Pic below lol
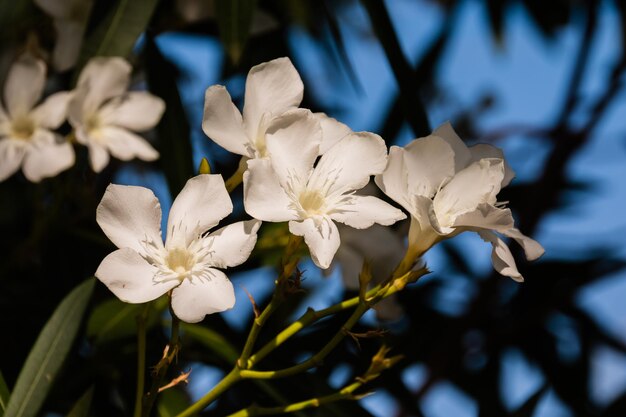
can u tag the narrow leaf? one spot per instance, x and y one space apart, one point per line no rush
81 408
4 394
234 18
212 340
171 403
114 319
118 31
46 357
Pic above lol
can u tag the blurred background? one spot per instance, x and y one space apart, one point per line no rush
541 80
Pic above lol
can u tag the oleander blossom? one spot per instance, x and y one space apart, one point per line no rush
104 115
27 139
144 268
289 186
449 188
272 88
70 20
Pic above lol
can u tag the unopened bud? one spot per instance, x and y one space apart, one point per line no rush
204 168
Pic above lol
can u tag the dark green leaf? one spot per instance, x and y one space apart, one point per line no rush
117 32
4 394
212 340
234 18
81 408
47 355
171 402
114 319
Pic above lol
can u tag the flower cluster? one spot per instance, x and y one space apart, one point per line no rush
100 109
303 168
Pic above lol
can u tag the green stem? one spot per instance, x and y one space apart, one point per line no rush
229 380
236 179
308 318
141 358
315 359
345 394
288 265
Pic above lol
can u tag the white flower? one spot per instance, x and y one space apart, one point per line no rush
272 88
144 268
26 137
449 188
70 20
287 186
103 113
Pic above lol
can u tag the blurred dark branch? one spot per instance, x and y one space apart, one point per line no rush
582 60
342 52
412 105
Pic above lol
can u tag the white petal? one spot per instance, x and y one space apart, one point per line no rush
292 142
201 204
422 235
136 110
501 256
363 211
24 85
44 160
272 87
394 179
332 131
125 145
11 156
191 301
429 163
263 196
462 155
53 111
131 278
98 156
478 183
349 164
56 8
486 216
231 245
222 122
130 216
532 248
103 78
321 236
483 150
69 40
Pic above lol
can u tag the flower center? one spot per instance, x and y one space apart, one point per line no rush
93 123
180 261
311 201
23 128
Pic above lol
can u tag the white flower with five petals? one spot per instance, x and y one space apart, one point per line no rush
449 188
104 115
144 268
26 136
289 186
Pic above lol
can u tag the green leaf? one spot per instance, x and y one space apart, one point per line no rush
234 18
81 408
118 31
4 394
212 340
114 319
171 402
15 15
46 357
